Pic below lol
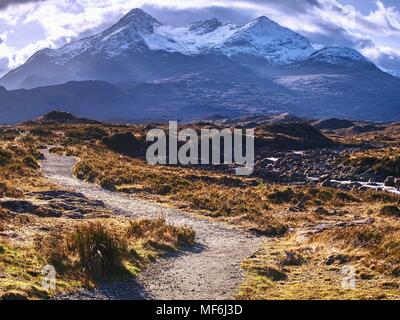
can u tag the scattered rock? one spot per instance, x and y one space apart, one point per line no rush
60 194
19 206
340 258
55 204
75 216
390 181
321 211
293 259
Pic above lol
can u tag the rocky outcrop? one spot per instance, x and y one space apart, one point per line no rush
290 136
55 204
125 143
60 117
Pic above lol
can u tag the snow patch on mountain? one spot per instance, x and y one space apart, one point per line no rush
261 37
391 72
127 33
187 40
337 55
138 30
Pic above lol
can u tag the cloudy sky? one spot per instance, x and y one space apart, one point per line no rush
370 26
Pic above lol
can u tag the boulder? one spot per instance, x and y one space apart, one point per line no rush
328 184
19 206
390 181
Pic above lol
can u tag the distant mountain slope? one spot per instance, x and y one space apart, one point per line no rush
141 69
91 99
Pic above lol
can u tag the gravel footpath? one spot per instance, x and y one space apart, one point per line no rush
209 270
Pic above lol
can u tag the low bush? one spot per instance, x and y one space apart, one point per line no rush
86 134
390 210
5 157
30 162
84 172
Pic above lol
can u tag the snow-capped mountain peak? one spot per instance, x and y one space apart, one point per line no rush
138 30
138 47
137 20
264 37
128 32
337 55
263 24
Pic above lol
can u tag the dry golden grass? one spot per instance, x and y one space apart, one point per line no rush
375 247
242 201
290 266
385 162
157 234
100 250
19 167
82 251
312 265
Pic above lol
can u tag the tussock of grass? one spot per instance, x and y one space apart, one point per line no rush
100 251
312 196
97 251
157 232
85 172
86 133
91 248
390 210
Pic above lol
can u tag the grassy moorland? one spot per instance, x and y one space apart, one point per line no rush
312 232
36 231
274 210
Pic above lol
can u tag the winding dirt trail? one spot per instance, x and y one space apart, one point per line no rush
210 271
